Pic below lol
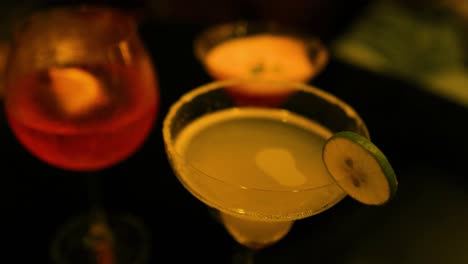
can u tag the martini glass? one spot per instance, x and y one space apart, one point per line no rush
82 95
260 49
257 163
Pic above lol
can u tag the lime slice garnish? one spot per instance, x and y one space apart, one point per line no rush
359 168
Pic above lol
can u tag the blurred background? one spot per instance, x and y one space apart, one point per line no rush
424 42
403 64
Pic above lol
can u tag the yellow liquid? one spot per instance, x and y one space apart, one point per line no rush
261 168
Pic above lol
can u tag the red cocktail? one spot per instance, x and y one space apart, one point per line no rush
82 95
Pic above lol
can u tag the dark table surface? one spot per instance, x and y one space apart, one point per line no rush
424 137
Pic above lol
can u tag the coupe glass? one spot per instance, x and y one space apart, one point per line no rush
258 165
260 49
82 95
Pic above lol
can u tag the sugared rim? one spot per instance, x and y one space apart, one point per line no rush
189 96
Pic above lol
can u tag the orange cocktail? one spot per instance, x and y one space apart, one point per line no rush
260 50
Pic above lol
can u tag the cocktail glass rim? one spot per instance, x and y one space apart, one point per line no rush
220 84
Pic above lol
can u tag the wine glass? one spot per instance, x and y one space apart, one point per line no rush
258 165
82 95
260 49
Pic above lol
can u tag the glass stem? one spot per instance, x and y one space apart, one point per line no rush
244 255
99 238
94 196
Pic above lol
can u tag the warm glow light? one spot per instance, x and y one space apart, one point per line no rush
125 51
76 90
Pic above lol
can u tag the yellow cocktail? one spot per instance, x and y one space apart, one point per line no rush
259 166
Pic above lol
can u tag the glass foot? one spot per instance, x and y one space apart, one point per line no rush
110 240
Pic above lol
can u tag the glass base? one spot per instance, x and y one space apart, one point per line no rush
109 240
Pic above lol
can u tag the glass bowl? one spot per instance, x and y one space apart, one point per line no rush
260 49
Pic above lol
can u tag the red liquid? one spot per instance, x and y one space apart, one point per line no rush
243 98
96 139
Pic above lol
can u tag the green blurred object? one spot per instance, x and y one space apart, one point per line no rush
419 42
